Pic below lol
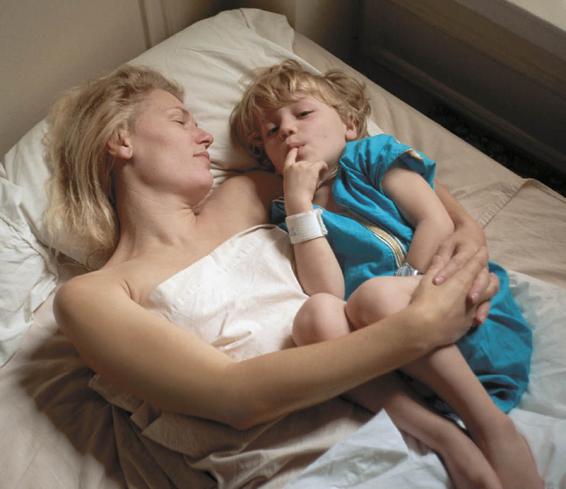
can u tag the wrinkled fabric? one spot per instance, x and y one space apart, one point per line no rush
241 299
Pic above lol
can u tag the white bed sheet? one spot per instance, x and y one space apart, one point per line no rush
378 456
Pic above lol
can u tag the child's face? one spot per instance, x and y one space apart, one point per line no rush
308 124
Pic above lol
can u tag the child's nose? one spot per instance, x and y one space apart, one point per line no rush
287 129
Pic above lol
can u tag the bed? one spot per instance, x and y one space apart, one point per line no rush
59 429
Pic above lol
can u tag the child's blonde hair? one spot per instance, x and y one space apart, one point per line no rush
280 85
80 125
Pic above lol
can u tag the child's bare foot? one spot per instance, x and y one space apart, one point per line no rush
509 455
465 463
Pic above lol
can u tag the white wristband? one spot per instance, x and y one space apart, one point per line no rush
305 226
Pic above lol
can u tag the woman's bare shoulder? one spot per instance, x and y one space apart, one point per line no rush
85 293
92 281
246 198
261 183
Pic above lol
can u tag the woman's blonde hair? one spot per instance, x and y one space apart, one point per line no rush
282 84
80 125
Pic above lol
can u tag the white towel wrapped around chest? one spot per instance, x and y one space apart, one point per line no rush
242 299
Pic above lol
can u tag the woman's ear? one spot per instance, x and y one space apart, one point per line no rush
120 145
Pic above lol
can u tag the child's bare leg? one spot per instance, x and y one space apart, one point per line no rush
447 373
323 318
464 462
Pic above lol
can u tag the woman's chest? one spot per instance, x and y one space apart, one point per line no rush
241 298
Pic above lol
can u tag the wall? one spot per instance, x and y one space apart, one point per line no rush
483 68
330 23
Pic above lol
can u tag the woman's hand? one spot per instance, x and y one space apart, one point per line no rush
446 307
457 250
300 181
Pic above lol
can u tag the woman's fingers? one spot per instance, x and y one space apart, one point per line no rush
483 301
468 272
456 253
481 313
437 264
492 288
447 308
454 259
484 287
479 286
446 250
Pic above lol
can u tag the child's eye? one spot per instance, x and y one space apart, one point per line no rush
271 131
305 113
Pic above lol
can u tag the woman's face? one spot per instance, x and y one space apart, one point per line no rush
169 150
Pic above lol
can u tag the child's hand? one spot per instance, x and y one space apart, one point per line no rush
300 181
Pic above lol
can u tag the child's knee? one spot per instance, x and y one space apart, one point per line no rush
320 318
378 298
366 304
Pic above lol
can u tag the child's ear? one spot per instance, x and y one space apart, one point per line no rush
351 131
120 145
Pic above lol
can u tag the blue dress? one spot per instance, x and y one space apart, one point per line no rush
370 238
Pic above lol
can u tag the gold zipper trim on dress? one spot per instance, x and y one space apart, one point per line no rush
388 239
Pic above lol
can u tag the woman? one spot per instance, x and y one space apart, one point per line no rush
132 177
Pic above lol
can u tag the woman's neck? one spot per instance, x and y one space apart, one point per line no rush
154 225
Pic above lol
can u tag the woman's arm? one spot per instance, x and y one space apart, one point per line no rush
460 216
158 361
467 238
423 209
317 267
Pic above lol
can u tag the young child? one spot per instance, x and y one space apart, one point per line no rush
365 221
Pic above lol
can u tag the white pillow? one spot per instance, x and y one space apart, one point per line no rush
27 275
210 59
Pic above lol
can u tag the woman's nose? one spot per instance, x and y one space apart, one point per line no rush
206 138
